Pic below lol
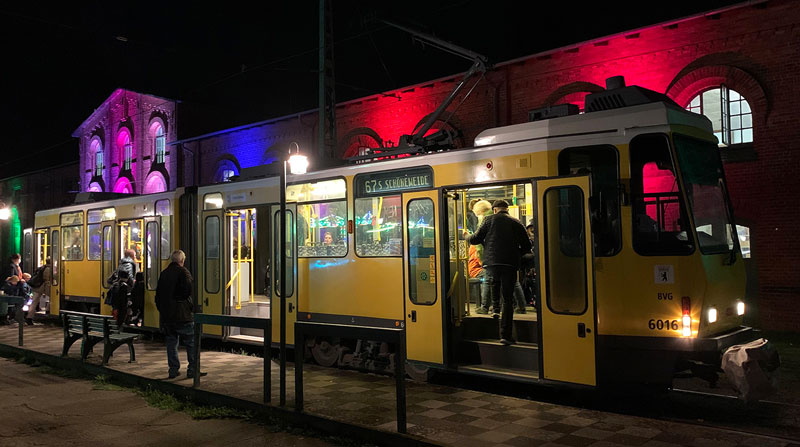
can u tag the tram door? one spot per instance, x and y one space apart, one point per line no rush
567 280
210 288
41 251
151 266
55 249
423 304
289 257
107 260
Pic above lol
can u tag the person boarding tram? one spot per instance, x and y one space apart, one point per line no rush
505 240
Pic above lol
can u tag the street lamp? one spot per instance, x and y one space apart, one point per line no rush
5 211
298 164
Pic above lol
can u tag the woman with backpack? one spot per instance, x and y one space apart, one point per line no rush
40 282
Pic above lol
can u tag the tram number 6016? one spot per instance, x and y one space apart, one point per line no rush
663 325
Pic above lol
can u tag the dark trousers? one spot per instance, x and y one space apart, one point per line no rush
503 280
174 333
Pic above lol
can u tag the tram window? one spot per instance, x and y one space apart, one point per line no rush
56 257
107 255
212 201
602 163
421 239
212 258
73 243
94 243
163 209
322 229
701 167
744 240
151 259
660 224
379 226
565 251
283 257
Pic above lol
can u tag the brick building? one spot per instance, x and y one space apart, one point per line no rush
737 65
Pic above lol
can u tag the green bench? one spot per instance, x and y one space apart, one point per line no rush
92 329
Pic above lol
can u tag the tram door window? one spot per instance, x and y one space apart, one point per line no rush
660 225
565 250
421 240
152 270
107 267
42 249
212 255
56 258
131 238
602 163
27 252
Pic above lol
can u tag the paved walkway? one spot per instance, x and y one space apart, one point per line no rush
438 414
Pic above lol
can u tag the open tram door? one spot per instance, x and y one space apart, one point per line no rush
567 280
289 256
423 304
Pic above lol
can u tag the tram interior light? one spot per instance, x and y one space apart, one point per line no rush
712 314
740 308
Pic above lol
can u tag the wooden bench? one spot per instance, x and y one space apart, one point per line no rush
92 329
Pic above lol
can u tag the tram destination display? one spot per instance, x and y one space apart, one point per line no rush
379 183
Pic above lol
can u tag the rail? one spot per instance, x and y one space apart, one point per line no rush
18 302
388 335
245 322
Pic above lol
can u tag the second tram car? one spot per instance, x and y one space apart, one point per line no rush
639 273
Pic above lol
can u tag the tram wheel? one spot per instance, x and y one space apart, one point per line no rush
325 353
419 373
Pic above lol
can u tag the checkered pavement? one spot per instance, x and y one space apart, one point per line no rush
444 415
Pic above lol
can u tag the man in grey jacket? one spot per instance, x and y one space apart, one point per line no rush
504 240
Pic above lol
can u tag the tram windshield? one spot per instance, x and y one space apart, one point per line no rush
705 191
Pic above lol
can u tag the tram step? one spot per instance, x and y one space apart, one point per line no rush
492 353
486 327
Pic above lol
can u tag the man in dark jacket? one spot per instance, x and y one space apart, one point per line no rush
174 303
504 240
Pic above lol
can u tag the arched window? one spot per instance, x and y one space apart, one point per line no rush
124 142
155 183
225 170
729 113
94 187
123 186
159 141
96 150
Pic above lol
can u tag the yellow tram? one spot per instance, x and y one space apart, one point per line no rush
638 265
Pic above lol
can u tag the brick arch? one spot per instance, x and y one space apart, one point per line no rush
353 140
225 161
690 84
453 124
569 89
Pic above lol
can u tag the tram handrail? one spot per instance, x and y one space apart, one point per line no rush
236 321
388 335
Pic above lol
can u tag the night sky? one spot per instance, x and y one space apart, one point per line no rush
259 60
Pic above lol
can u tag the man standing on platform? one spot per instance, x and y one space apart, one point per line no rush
174 303
504 240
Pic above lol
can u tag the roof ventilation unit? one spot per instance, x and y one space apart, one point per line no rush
617 95
545 113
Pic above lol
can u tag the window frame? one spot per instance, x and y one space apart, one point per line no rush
160 144
321 202
407 249
561 249
355 225
726 117
205 253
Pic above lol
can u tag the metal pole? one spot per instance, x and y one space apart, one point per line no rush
282 287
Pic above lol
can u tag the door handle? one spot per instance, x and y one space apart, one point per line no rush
582 330
205 301
291 307
413 316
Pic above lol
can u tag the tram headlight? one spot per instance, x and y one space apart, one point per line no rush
740 308
712 314
687 326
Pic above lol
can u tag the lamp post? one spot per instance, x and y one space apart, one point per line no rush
298 164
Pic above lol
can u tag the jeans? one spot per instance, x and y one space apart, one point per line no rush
519 296
503 281
35 304
173 334
486 292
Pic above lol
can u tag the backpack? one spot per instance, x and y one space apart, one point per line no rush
37 279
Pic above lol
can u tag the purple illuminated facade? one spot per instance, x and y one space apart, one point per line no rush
123 145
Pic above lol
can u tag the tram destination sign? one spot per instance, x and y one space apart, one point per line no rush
379 183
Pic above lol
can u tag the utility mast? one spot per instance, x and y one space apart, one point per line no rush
326 141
